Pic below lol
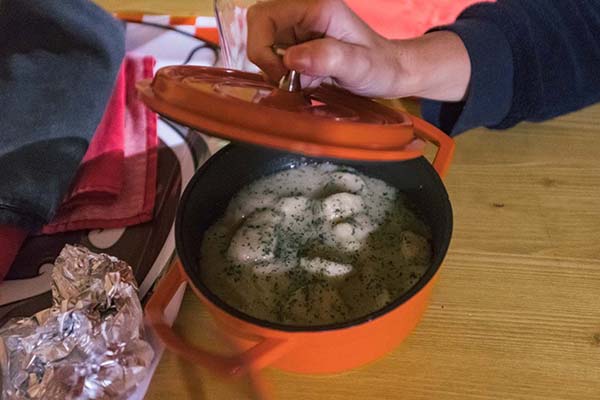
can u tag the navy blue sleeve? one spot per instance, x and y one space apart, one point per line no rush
58 64
530 60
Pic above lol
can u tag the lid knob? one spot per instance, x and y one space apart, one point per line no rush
289 95
290 82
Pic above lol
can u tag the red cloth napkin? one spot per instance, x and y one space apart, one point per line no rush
116 182
11 239
407 18
100 175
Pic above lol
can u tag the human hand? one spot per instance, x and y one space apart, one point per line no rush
329 41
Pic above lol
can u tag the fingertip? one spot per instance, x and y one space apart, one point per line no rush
320 57
271 77
298 58
275 72
270 64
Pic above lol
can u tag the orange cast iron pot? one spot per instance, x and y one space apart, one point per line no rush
320 349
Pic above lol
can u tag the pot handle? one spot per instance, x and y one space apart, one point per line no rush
256 358
445 144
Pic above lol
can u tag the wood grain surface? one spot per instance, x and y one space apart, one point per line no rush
516 311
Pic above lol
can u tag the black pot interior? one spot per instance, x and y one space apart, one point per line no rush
220 178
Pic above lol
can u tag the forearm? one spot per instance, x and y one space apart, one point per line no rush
530 60
437 67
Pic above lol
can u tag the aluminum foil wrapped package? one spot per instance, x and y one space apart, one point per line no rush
88 345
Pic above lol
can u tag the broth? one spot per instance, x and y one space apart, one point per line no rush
314 245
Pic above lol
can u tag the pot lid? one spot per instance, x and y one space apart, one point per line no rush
242 106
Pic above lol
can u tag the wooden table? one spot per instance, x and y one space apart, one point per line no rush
516 311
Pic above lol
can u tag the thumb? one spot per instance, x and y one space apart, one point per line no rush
328 57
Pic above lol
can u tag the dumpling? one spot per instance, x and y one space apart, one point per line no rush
264 217
255 240
297 212
383 298
245 205
330 269
415 248
351 234
293 206
341 205
346 182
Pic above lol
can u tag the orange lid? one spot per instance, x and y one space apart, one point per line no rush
241 106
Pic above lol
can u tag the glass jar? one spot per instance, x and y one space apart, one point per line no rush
233 33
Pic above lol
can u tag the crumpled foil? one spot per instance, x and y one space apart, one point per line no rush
88 345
